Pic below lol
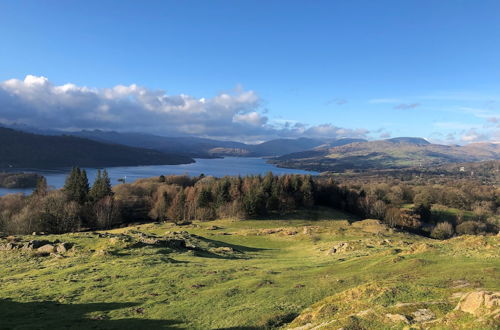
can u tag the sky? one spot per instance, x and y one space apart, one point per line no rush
254 70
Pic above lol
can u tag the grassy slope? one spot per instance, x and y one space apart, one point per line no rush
273 277
386 154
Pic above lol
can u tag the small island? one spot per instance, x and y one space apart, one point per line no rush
19 180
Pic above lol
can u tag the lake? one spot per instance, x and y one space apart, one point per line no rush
218 167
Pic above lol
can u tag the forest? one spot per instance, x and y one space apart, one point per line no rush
436 206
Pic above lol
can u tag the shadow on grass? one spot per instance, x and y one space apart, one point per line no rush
317 213
236 247
53 315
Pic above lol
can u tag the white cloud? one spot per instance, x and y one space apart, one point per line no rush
35 101
252 118
473 135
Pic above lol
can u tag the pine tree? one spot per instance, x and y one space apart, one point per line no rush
41 188
76 186
204 198
307 192
101 187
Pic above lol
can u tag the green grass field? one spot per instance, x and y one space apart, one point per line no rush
250 274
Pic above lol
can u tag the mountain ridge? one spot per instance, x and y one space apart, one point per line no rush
389 153
27 150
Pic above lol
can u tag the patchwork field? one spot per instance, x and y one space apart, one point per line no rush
316 270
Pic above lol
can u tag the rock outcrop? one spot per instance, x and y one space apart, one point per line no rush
480 303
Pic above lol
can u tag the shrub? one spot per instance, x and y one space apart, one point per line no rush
443 230
471 228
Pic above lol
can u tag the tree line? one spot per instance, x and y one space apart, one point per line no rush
437 210
75 206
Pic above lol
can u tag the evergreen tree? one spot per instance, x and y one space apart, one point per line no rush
204 198
76 186
424 211
307 192
222 193
41 188
101 187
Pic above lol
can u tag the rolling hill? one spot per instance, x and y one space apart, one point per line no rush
197 147
320 270
26 150
390 153
202 147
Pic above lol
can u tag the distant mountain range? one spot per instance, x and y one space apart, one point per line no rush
390 153
27 150
109 148
190 146
203 147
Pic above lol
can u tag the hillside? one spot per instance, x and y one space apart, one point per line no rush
196 146
202 147
25 150
315 269
386 154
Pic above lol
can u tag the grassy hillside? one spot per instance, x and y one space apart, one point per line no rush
25 150
307 269
387 154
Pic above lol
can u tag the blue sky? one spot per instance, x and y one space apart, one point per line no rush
327 68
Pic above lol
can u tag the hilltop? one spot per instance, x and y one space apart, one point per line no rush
320 269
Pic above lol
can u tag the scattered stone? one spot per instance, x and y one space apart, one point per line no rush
340 247
47 248
139 310
480 303
298 286
223 249
62 247
397 259
8 247
397 318
114 240
35 244
12 238
264 283
271 231
423 315
197 286
213 228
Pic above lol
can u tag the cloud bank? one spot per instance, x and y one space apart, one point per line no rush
37 102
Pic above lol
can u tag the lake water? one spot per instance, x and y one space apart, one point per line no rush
215 167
